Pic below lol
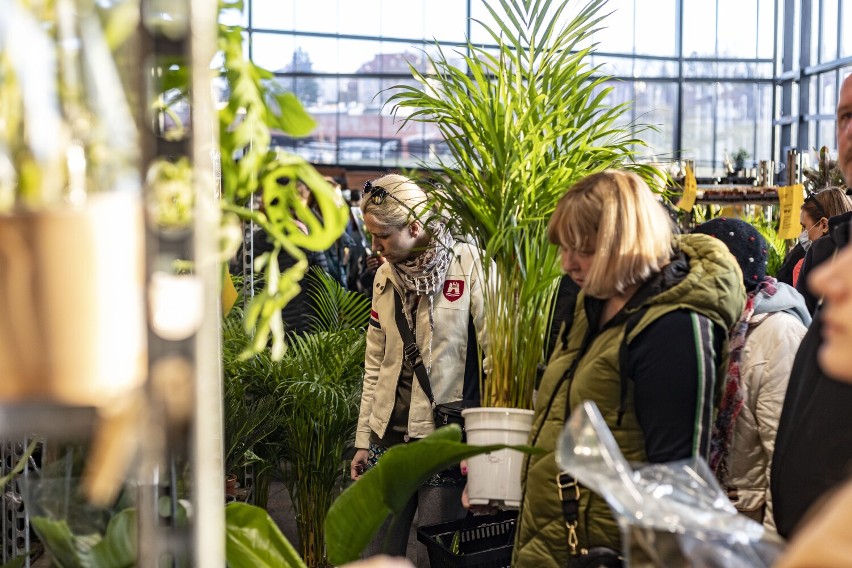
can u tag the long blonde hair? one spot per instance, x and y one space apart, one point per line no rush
614 215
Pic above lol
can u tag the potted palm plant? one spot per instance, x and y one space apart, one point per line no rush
522 122
318 388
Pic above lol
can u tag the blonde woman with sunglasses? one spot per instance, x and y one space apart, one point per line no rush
435 282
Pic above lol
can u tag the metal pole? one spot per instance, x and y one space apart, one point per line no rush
208 526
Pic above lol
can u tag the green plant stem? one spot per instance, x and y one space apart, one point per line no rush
22 463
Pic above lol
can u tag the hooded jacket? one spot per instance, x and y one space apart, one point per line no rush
777 327
703 286
443 346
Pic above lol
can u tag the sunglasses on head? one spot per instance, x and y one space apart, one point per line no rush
377 194
811 198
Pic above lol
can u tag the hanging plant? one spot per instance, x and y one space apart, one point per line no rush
254 107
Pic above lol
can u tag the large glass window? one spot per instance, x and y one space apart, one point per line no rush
808 123
341 57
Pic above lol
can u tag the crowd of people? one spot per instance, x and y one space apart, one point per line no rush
686 345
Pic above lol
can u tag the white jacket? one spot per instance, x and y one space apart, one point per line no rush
765 365
444 350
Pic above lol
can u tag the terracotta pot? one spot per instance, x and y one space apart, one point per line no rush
72 329
231 484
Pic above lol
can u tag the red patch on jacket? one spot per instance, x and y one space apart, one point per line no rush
453 289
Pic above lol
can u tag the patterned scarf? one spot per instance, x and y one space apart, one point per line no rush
732 398
424 274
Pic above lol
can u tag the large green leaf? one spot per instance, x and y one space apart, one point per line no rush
293 118
358 513
116 549
253 540
58 539
16 563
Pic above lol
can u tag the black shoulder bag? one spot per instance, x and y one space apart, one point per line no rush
446 413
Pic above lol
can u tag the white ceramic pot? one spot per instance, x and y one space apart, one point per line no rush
495 478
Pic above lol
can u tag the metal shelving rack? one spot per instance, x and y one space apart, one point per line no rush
197 441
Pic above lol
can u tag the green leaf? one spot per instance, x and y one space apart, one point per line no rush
337 308
118 547
253 540
58 539
360 510
293 118
16 563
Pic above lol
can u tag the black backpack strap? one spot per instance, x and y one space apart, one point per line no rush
410 350
623 360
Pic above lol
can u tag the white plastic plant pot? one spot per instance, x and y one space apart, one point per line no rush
495 478
72 329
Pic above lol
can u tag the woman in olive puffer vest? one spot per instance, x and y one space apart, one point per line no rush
660 305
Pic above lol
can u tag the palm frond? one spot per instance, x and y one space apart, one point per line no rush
522 124
336 307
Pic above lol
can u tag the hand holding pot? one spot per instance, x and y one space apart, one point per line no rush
475 509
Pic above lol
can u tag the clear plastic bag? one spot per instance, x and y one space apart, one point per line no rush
671 515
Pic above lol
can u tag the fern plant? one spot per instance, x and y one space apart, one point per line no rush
522 123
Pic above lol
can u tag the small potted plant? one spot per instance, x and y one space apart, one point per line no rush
740 157
71 225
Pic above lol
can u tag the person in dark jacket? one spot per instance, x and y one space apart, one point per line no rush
785 273
813 449
821 250
825 539
299 312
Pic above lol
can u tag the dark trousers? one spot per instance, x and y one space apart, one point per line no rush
430 505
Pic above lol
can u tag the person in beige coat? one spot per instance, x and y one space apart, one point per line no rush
763 345
437 282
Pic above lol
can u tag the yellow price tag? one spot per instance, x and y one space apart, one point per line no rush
690 191
229 294
791 198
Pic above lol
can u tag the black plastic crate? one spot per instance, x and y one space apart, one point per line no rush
484 542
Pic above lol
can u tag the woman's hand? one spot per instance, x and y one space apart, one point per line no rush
373 262
359 464
475 509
